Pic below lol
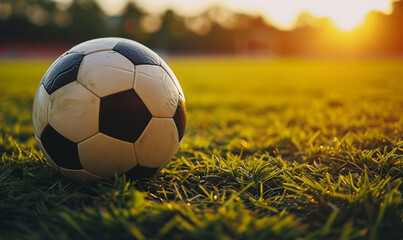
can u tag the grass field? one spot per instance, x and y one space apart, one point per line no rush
274 149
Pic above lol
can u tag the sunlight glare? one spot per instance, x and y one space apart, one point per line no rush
346 15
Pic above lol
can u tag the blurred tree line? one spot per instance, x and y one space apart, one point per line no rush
217 30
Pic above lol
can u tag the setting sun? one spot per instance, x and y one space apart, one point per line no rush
346 15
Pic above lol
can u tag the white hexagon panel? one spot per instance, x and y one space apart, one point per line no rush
95 45
158 143
74 112
104 156
40 110
79 174
106 72
157 90
173 76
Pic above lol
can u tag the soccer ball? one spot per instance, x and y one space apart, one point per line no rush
107 106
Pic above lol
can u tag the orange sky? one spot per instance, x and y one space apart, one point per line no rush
346 15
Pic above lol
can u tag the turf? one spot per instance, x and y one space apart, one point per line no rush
274 149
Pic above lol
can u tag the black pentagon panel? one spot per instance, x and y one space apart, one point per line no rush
141 172
180 118
137 53
62 72
62 151
123 115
